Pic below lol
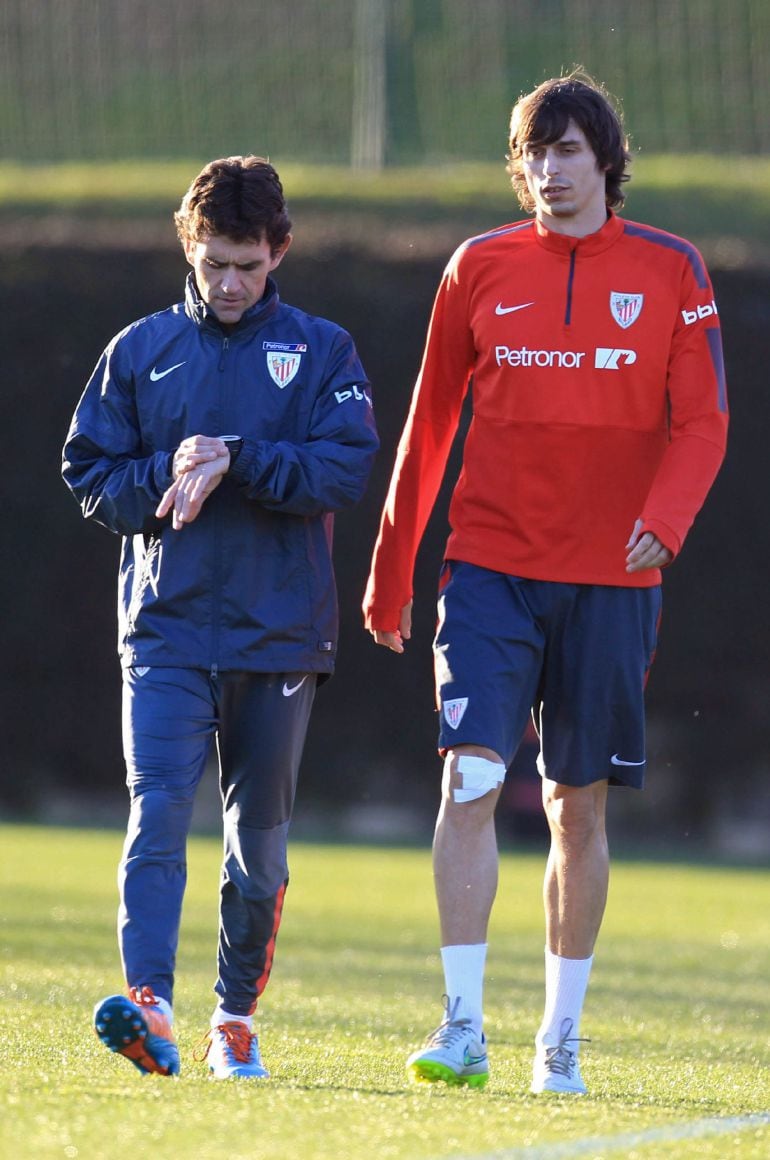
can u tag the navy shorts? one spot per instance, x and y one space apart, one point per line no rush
576 656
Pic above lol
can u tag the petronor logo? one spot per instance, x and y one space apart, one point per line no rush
608 358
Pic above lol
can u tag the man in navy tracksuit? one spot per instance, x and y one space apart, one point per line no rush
218 437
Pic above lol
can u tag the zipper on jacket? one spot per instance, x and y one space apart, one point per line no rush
216 602
570 280
216 590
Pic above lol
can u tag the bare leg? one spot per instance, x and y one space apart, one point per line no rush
465 858
575 894
577 873
465 873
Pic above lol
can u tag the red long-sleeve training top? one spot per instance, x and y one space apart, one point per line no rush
598 397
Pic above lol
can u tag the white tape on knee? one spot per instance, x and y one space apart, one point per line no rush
479 775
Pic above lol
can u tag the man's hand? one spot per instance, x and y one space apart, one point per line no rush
195 450
645 551
189 491
395 640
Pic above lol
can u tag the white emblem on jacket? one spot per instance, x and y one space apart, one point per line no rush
283 367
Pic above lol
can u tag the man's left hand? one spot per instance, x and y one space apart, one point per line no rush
646 551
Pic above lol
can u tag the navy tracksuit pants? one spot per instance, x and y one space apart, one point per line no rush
170 719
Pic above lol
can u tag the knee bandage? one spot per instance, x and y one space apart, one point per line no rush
479 774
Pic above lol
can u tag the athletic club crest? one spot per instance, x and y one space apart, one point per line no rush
283 360
626 308
283 367
454 710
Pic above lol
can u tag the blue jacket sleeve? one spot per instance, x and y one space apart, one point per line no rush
330 469
113 477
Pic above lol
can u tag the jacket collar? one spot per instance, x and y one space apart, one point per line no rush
585 247
255 317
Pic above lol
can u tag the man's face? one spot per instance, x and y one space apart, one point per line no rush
231 276
566 183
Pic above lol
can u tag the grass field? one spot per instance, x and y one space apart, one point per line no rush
702 197
678 1014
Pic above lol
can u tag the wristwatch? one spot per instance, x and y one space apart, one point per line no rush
234 443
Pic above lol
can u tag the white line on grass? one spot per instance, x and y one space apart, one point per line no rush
690 1131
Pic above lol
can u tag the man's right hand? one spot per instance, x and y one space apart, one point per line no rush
187 494
395 640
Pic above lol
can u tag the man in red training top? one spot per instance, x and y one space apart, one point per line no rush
599 423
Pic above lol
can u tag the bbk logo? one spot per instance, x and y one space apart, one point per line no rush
608 358
699 312
353 393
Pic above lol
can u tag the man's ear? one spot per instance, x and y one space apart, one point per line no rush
188 245
277 255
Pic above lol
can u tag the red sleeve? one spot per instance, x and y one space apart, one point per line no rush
698 418
422 453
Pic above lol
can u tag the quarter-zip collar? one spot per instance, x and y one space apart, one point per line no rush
586 247
253 318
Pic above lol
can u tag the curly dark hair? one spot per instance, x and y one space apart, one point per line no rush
541 117
235 197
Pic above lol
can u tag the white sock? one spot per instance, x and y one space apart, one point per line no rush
566 982
222 1016
464 980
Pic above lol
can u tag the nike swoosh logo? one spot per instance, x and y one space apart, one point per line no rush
289 692
500 309
155 375
619 761
469 1060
